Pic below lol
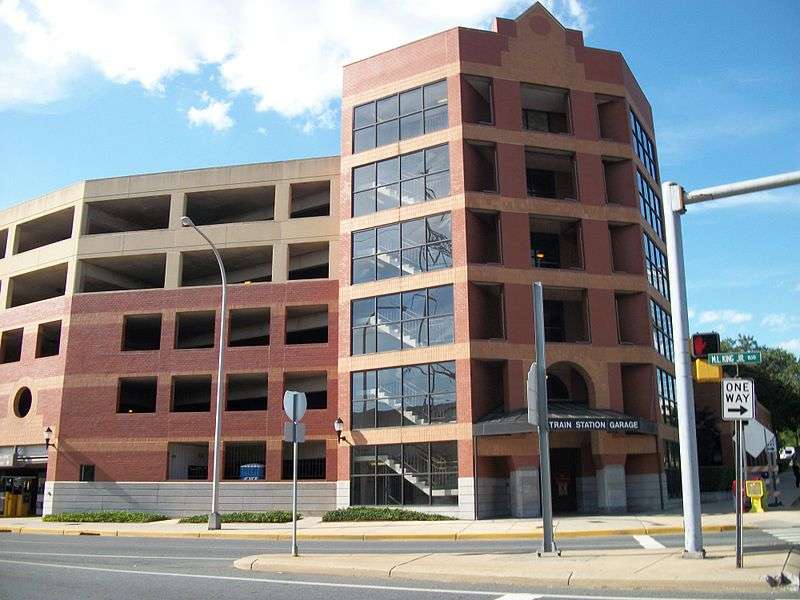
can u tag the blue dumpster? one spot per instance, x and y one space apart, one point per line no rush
251 472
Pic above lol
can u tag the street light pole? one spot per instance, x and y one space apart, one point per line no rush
214 519
674 200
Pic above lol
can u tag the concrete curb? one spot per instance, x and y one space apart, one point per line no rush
234 534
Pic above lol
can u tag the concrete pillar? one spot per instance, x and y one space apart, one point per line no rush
524 492
466 498
177 208
280 262
611 490
172 271
342 494
283 200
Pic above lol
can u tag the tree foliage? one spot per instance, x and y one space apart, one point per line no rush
777 380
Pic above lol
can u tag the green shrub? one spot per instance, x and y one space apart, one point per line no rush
105 516
379 513
270 516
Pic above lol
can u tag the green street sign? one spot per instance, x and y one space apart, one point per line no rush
735 358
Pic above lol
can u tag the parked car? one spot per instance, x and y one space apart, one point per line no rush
786 453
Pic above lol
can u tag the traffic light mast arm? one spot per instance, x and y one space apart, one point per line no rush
742 187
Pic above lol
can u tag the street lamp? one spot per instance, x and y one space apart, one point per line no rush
48 435
338 427
214 520
674 200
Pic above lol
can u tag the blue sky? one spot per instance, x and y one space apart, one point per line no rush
112 88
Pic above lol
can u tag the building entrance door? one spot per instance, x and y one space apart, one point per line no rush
565 464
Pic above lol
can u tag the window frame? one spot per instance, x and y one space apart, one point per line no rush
399 115
661 323
650 205
655 266
643 146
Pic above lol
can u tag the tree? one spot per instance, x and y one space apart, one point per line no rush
777 381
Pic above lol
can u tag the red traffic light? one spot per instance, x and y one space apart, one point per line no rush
704 344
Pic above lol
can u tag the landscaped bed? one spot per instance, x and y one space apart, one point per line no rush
105 516
270 516
361 513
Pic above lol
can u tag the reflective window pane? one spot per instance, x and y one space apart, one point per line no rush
414 304
389 337
388 196
388 171
363 414
388 133
363 177
362 491
443 377
411 126
388 265
415 410
440 330
413 233
411 101
412 191
437 159
388 490
415 380
440 300
364 203
389 412
390 459
443 408
390 382
363 243
389 237
437 186
363 312
435 119
363 115
363 269
412 165
415 333
388 308
439 256
363 139
435 94
357 386
387 108
438 227
414 261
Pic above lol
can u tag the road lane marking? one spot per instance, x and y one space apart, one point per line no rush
138 556
520 597
351 586
385 588
648 543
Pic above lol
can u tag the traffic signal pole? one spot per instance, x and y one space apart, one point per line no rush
674 200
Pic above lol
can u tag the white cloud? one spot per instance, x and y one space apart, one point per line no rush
287 55
215 114
262 130
797 287
792 345
780 321
724 316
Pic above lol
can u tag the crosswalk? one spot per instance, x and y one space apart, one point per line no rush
790 535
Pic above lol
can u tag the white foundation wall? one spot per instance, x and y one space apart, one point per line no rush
524 493
181 498
644 492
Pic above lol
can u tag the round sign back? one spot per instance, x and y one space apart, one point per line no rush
294 405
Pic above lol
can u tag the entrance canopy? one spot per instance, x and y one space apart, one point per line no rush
564 416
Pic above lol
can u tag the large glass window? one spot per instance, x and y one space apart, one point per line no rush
410 474
401 116
656 266
672 469
645 149
402 248
650 205
398 321
662 330
403 396
666 397
402 180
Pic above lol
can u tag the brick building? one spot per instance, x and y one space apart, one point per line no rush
393 284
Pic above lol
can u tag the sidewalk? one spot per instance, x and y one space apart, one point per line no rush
618 569
312 528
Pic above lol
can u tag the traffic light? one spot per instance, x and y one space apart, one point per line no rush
704 344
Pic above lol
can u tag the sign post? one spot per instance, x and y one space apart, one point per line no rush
537 415
738 405
294 405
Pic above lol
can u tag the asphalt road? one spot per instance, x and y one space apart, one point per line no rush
86 567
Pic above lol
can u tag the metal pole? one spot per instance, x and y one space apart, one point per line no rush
690 480
294 474
544 426
743 187
214 519
740 476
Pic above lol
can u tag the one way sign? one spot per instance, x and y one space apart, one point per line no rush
738 400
